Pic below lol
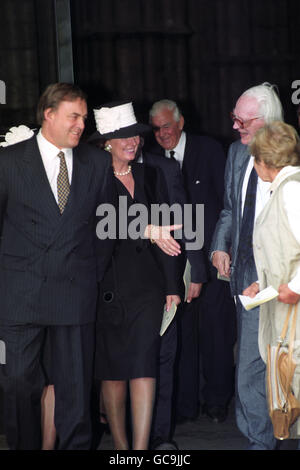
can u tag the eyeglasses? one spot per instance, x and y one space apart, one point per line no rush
242 124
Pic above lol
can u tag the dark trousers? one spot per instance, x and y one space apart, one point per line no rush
22 379
172 352
163 419
217 337
200 339
207 334
187 373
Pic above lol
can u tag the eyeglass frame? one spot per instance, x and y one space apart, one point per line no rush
243 124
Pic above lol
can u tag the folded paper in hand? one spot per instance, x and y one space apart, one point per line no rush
263 296
187 278
167 317
2 352
223 278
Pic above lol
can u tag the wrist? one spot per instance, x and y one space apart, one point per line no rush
149 233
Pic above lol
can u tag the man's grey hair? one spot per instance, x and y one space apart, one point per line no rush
165 104
270 106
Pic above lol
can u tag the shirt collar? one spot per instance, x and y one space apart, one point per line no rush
284 173
180 147
50 148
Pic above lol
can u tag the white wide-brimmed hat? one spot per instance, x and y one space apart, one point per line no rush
117 121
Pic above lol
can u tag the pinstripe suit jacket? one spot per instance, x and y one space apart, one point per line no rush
48 268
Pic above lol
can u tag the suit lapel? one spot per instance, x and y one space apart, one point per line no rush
244 161
81 179
139 178
186 157
189 164
33 171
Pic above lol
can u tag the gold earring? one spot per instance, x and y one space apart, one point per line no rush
108 148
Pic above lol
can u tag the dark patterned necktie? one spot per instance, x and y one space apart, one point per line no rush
245 251
63 185
172 153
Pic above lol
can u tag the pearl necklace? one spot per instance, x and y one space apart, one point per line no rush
123 173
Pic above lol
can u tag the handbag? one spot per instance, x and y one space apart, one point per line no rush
284 408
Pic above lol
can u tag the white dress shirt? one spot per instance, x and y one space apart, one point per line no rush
179 149
51 161
262 193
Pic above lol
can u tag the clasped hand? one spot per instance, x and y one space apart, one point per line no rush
286 295
221 261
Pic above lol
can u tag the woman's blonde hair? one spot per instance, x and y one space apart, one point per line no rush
276 144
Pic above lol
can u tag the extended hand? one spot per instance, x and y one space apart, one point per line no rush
221 261
163 239
194 291
286 295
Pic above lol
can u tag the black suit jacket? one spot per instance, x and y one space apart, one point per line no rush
203 179
48 267
156 192
172 176
152 189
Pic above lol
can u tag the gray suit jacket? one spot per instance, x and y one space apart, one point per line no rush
227 231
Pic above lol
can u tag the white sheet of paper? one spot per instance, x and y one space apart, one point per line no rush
263 296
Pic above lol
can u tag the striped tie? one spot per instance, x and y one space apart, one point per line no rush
63 185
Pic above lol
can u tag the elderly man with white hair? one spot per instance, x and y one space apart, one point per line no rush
232 255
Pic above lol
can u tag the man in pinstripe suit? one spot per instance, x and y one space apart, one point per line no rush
48 270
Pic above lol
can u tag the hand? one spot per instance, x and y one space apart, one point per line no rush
194 291
286 295
252 290
221 261
163 239
170 299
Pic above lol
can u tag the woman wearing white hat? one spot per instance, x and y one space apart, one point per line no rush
139 281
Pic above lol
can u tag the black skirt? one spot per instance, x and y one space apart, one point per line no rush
129 315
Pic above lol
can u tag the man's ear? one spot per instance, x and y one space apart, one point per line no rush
181 122
48 114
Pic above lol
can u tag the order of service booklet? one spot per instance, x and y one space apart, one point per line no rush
263 296
187 278
167 318
2 352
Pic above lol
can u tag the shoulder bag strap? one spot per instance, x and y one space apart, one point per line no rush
291 345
